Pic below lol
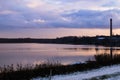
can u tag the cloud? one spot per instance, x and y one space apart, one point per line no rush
58 13
38 21
7 12
95 19
33 4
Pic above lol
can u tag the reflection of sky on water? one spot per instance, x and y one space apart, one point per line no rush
39 53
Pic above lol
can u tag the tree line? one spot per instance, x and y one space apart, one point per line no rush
85 40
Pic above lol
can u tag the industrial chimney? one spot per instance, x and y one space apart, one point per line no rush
110 27
111 54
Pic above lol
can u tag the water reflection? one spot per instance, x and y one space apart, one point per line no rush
108 50
86 49
39 53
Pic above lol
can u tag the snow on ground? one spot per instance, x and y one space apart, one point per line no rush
114 78
87 75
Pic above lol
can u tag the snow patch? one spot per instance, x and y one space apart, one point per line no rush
88 74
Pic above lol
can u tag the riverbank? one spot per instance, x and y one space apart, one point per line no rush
45 70
85 40
105 73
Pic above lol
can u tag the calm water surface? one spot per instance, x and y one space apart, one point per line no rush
40 53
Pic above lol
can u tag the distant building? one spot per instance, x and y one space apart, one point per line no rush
101 38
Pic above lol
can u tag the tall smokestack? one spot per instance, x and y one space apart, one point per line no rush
111 54
110 27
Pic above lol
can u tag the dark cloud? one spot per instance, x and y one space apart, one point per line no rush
95 19
79 19
18 15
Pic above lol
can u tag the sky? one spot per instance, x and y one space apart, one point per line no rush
47 14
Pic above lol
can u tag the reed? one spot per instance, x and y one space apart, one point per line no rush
48 69
105 59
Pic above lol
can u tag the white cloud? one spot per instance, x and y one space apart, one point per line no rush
38 21
67 19
4 12
33 5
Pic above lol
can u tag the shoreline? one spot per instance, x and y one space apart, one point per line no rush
29 71
85 40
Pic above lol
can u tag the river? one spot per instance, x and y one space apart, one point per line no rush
34 53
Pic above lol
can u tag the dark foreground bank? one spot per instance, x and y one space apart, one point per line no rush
28 72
